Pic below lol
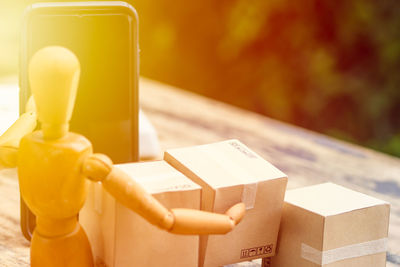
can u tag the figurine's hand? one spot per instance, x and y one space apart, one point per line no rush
21 127
8 157
180 221
9 141
236 212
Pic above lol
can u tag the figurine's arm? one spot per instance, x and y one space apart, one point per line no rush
9 141
180 221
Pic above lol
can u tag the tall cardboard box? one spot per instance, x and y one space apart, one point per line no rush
228 173
331 226
121 238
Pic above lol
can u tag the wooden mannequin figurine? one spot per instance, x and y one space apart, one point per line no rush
54 166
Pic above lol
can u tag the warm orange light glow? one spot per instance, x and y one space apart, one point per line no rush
294 61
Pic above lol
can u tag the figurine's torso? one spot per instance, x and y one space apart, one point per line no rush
50 174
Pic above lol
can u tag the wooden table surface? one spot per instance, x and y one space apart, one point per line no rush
186 119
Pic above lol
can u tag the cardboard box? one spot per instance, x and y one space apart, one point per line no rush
228 173
120 238
329 225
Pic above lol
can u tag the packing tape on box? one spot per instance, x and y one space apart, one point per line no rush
342 253
249 195
249 189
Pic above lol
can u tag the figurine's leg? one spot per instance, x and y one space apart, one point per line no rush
66 250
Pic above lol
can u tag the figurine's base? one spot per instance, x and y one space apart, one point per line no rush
72 250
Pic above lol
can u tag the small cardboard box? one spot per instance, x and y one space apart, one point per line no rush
228 173
120 238
331 226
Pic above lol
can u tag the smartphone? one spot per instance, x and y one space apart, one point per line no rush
104 37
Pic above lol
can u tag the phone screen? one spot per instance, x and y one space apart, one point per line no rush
104 39
103 35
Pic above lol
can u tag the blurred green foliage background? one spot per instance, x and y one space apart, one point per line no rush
329 66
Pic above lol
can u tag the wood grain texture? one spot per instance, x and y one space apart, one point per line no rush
14 249
185 119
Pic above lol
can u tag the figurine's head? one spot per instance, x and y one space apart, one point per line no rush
53 76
